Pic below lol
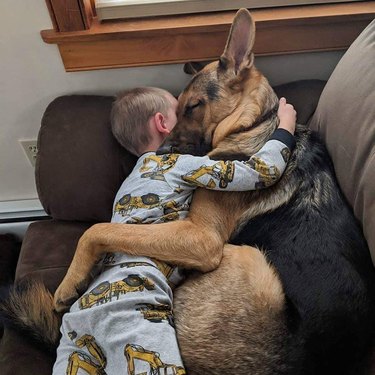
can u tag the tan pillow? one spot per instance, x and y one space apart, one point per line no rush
345 119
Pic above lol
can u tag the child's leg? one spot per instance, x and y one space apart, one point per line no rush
123 321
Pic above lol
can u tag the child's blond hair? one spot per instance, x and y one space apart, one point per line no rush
131 112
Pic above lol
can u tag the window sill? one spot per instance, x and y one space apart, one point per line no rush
178 39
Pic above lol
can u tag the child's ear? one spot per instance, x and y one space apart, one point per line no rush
161 127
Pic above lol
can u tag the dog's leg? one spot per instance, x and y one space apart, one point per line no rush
196 242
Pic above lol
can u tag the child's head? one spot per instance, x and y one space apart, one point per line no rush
142 117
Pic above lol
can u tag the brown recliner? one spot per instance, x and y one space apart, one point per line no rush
79 168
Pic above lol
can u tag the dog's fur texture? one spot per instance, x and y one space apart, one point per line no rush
28 307
239 318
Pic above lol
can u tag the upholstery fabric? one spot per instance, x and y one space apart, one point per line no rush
47 250
79 169
18 357
80 165
304 95
345 119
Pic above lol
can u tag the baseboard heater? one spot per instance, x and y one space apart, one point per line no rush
16 216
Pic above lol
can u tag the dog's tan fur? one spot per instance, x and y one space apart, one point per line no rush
197 242
230 320
31 305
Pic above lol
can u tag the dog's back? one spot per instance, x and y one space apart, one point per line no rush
302 224
320 253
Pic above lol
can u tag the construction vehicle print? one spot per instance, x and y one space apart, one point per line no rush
156 313
163 267
221 171
267 174
106 291
164 163
127 203
171 211
94 364
157 366
135 264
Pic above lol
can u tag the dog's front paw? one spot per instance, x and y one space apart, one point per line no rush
66 294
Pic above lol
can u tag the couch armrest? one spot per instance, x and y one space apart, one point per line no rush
18 356
47 250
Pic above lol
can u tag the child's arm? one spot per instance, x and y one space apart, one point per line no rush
263 169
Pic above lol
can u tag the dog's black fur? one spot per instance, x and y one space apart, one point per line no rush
318 248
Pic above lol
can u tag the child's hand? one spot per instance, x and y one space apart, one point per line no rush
287 116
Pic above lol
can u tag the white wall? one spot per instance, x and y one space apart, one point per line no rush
32 74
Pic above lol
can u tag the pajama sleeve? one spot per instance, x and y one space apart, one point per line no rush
263 169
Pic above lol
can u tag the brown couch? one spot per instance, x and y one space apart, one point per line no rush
80 167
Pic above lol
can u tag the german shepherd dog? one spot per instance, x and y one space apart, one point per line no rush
301 301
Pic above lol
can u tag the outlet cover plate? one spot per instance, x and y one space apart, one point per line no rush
31 149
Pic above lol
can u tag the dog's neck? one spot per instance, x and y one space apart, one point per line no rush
250 137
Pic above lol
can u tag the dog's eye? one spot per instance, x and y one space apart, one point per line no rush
189 109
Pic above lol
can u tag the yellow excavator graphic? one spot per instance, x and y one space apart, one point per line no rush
164 163
157 366
171 210
94 365
128 203
267 174
156 313
222 171
105 291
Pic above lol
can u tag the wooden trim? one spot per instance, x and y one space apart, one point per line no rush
86 12
93 9
67 14
52 15
166 40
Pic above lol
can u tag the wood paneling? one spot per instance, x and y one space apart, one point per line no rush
87 12
202 37
67 14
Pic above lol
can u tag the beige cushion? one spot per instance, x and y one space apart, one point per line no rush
345 118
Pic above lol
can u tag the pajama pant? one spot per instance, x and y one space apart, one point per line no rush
123 324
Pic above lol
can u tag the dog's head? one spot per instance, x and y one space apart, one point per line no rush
226 97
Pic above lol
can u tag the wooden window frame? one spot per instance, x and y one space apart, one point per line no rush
87 44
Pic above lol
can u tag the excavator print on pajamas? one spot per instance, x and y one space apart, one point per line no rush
164 163
105 291
221 171
92 365
157 366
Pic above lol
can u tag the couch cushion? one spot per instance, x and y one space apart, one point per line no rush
345 118
80 166
304 95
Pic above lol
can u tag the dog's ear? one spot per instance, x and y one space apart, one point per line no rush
238 50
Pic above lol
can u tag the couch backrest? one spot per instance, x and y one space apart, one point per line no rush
80 166
345 118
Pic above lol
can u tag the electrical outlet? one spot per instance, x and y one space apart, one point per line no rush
31 149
